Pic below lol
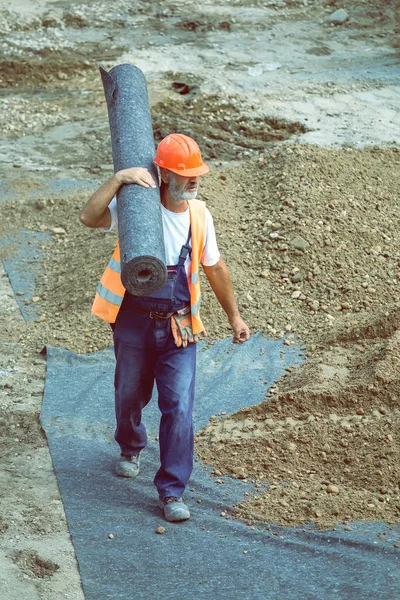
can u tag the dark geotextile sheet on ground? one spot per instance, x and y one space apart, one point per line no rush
208 556
23 264
21 252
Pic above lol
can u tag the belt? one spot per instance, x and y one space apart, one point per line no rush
157 316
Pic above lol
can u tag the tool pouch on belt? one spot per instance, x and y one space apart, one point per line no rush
181 327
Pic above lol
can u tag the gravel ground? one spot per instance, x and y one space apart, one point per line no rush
309 233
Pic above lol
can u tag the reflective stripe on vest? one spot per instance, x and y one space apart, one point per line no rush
110 291
198 224
108 295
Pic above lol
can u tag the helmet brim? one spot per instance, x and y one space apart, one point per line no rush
202 170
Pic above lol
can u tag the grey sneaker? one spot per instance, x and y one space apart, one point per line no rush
128 466
174 508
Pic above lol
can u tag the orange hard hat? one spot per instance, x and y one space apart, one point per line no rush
180 154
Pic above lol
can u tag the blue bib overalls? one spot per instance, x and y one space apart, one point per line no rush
145 351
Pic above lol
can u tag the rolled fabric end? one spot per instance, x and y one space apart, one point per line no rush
143 275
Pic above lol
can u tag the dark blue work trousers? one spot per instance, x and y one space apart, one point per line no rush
145 351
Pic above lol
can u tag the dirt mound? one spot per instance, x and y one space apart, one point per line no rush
52 68
221 129
326 441
310 237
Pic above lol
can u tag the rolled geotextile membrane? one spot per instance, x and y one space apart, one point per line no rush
143 268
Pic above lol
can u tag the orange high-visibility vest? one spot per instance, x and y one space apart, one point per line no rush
110 291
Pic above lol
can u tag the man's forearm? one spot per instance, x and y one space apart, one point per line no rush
221 284
95 209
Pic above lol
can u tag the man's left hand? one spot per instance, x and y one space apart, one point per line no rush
241 332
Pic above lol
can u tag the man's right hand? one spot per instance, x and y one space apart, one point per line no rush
137 175
95 213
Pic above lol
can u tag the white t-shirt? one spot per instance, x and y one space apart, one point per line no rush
176 229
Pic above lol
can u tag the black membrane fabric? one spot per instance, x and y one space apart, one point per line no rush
209 556
23 264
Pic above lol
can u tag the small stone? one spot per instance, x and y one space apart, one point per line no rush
314 305
223 514
347 528
332 489
245 551
62 76
110 535
296 278
58 231
299 243
160 530
296 295
265 274
35 298
338 17
346 425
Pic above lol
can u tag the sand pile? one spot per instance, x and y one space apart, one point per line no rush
325 442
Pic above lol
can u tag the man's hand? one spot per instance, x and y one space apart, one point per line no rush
95 213
220 281
241 332
136 175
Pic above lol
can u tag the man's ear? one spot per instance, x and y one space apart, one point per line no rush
165 175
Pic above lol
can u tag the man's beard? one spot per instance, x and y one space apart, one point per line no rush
180 195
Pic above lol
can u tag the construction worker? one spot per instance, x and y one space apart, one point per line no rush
154 336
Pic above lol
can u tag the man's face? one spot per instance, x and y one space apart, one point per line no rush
182 188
